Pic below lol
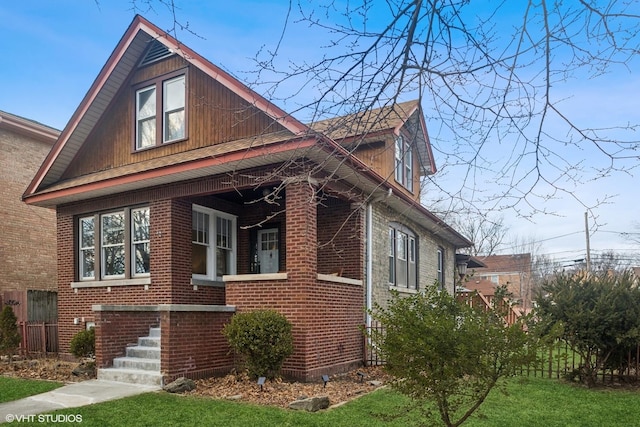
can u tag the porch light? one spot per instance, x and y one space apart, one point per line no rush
325 380
462 267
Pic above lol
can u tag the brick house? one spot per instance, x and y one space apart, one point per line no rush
183 197
512 271
27 233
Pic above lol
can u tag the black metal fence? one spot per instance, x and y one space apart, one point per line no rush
557 361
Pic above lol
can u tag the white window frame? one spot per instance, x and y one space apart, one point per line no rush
440 267
135 242
161 113
212 243
99 246
403 247
403 163
104 246
83 249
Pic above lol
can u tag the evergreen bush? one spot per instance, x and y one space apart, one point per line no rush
263 339
9 335
83 344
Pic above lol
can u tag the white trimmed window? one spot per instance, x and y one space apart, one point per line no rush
114 245
440 267
402 257
403 163
213 248
161 111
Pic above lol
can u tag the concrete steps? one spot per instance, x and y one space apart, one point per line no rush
140 365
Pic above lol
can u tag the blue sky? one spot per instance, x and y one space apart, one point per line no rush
52 51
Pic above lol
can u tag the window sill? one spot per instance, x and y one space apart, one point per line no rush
110 283
338 279
254 277
403 290
205 282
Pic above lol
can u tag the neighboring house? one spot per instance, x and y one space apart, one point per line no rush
512 271
183 197
27 233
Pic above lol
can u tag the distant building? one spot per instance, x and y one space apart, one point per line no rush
512 271
27 233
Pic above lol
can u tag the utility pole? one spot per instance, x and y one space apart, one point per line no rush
586 230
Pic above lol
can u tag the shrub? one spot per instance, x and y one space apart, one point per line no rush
83 344
263 340
9 335
443 351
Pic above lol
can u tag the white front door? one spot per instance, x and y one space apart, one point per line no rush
268 254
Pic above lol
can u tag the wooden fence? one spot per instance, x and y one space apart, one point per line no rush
38 338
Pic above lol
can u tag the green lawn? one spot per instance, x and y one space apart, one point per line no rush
14 388
530 402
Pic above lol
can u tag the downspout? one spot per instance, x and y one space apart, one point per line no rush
369 265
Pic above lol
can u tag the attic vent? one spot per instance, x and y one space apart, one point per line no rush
155 52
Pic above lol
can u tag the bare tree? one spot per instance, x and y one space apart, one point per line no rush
489 75
487 233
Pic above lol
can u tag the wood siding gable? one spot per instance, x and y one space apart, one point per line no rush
215 115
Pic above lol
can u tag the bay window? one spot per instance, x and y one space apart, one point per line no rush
114 245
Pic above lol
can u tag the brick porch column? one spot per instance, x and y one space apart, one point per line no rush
302 233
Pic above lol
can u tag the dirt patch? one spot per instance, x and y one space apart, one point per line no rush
42 369
340 388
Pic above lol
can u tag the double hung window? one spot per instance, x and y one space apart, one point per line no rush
114 245
402 257
403 163
161 111
213 237
440 268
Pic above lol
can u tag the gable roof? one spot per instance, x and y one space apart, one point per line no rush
121 62
27 127
369 125
48 189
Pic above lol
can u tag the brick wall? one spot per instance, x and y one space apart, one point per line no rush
116 329
340 239
28 234
193 344
326 319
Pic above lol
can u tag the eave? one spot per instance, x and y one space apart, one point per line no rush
28 128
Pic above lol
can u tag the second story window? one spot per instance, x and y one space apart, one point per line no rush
160 111
404 163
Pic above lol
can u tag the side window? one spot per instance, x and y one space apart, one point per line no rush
440 268
403 163
402 257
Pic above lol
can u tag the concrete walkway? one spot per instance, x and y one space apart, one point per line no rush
70 396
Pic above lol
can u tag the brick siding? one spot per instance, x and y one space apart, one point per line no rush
28 233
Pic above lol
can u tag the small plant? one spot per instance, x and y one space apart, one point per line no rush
262 338
83 344
9 335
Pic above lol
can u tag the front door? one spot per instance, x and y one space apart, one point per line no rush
268 254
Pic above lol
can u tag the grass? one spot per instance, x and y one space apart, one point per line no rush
529 402
15 388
